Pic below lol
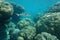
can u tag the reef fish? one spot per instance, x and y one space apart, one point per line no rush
23 14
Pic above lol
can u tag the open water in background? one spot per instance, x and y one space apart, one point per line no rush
35 6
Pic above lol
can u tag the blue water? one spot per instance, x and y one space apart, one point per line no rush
35 6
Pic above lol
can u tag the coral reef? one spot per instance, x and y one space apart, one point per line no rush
44 26
54 8
29 32
50 23
25 22
6 11
45 36
53 22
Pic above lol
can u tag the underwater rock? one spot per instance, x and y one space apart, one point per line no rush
29 32
6 11
45 36
54 8
25 22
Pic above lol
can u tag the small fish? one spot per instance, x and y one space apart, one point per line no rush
17 14
23 14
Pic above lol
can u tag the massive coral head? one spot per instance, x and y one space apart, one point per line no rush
6 10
